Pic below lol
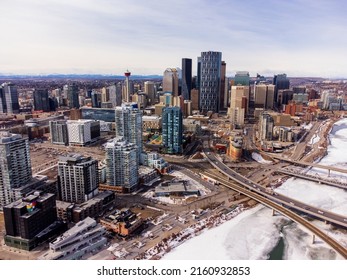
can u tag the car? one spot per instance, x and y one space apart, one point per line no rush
320 212
292 203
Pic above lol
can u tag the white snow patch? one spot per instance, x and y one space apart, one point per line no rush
257 157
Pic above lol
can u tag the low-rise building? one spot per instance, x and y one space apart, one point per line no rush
86 236
180 188
123 222
151 123
70 212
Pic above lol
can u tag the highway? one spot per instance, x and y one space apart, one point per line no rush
286 212
274 196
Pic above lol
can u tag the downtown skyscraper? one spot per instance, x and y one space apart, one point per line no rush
171 78
72 96
210 83
41 100
281 82
186 78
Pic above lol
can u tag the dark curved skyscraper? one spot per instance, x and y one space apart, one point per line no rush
186 77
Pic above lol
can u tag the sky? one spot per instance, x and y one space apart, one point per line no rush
297 37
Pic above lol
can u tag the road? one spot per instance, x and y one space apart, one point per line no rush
288 213
273 196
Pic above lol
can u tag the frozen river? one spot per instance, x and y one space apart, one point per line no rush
256 234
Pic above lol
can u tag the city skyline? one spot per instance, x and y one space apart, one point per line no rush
108 37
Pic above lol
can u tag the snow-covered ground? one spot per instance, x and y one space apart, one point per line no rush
307 126
329 198
257 157
254 233
180 176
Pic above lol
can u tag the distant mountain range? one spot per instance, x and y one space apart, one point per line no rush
78 76
119 77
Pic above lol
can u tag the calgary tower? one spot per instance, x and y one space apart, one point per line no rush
127 86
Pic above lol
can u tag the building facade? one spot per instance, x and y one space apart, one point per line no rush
281 82
72 92
242 78
83 132
171 81
264 96
59 133
15 166
41 100
78 178
186 77
129 125
266 126
172 128
238 104
27 218
9 103
210 83
122 167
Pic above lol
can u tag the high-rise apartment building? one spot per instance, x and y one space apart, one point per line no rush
266 125
210 84
59 133
72 92
83 132
171 81
77 178
172 129
9 99
41 100
238 104
186 77
15 166
122 166
129 124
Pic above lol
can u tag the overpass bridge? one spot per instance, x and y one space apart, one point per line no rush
309 164
277 201
318 179
284 211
